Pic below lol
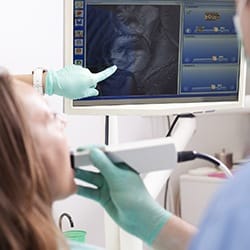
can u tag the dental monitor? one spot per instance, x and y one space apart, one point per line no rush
172 56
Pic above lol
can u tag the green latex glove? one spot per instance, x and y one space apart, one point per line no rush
75 81
122 193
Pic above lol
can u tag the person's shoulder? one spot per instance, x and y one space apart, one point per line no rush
227 216
237 187
240 179
73 245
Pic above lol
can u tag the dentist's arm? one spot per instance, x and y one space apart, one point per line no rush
71 81
176 234
28 78
122 193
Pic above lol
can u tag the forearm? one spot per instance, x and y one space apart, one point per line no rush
29 79
176 234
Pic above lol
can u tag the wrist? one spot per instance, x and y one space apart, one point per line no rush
160 221
49 79
25 78
38 80
175 234
44 80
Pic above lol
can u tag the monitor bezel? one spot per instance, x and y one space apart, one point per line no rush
145 109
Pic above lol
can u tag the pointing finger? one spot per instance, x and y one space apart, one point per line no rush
98 77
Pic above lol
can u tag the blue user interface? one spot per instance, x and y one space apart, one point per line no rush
210 54
163 49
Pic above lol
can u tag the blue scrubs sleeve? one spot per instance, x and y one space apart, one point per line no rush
226 225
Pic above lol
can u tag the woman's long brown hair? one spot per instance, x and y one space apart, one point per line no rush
26 221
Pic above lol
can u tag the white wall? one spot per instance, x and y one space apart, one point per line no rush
31 33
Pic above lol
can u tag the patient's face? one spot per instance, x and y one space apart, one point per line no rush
131 48
48 133
130 53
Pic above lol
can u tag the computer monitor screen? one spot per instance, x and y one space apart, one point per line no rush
171 55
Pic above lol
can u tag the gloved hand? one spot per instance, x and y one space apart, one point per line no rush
75 81
122 193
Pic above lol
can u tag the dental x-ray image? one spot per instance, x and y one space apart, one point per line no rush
142 40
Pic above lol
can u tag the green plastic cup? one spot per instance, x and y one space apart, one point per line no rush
75 235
